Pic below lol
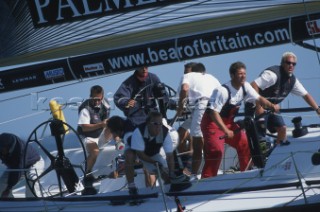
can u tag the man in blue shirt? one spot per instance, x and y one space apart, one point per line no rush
12 154
135 96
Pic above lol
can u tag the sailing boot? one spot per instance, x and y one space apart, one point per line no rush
88 181
284 143
133 190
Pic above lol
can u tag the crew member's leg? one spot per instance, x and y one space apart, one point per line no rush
213 147
130 157
275 121
93 152
185 147
197 139
3 183
240 143
151 169
34 172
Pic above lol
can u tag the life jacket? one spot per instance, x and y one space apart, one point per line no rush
97 115
281 89
229 110
151 146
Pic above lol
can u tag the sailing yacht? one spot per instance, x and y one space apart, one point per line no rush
47 44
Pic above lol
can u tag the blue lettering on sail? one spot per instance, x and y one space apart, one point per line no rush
54 73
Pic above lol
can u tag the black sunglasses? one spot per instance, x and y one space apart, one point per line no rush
155 123
289 63
95 99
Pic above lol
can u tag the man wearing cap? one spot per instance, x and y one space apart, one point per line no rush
13 152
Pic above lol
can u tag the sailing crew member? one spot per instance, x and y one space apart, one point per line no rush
218 120
147 140
196 89
185 139
135 98
93 115
17 158
275 83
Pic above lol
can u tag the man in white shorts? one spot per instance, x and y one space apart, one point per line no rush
196 88
185 148
93 114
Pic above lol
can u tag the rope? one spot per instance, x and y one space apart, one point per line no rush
23 117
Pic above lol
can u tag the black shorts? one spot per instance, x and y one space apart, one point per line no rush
274 120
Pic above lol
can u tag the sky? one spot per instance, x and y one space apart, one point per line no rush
24 110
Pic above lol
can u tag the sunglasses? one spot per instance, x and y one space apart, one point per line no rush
291 63
95 99
156 123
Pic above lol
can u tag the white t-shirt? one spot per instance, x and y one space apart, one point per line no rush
269 78
84 117
201 85
220 96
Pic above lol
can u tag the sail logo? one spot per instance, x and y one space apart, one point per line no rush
93 67
54 73
49 12
313 27
24 79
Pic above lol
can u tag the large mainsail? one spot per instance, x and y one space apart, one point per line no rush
150 36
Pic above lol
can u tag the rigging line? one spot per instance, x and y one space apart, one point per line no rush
290 30
15 97
23 117
176 48
313 38
299 178
70 67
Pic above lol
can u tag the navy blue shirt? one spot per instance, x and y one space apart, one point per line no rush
145 101
15 158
